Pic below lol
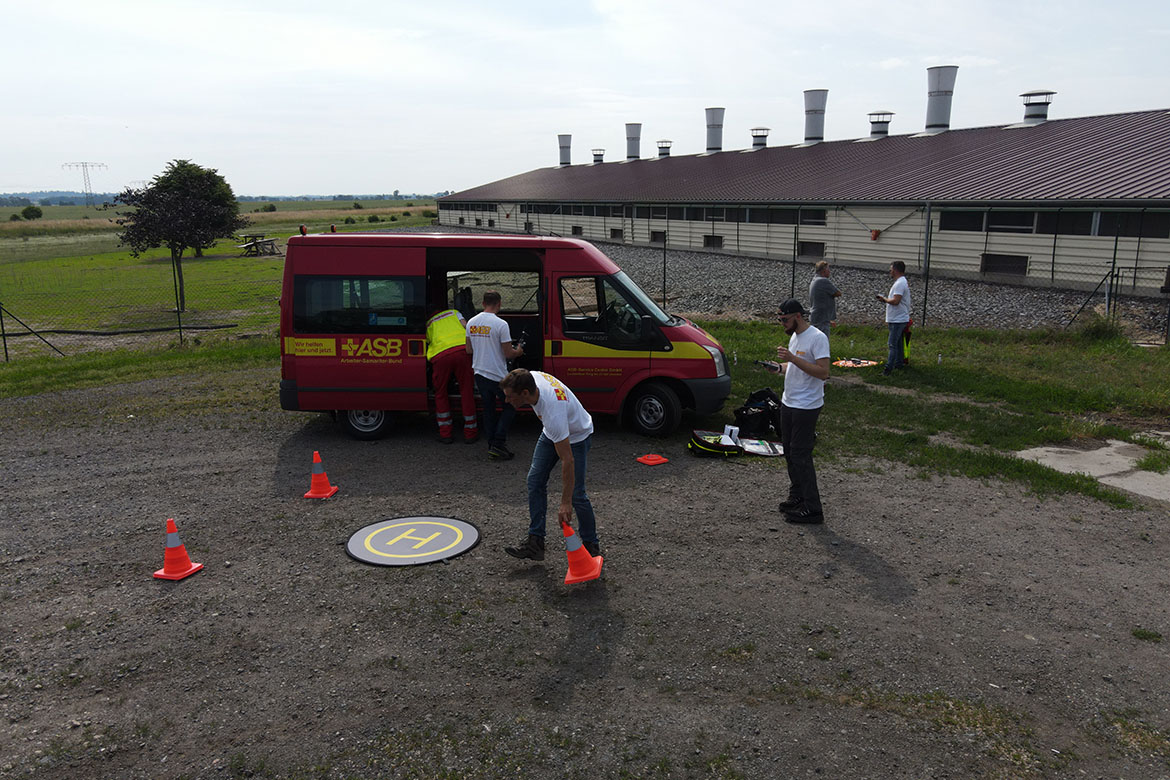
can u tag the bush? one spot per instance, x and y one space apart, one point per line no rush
373 218
406 213
350 221
269 207
357 205
32 212
393 218
430 214
409 203
14 218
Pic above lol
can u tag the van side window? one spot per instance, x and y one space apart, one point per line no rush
597 311
358 304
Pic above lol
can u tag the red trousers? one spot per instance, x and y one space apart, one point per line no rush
454 361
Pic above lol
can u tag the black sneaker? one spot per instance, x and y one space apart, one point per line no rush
789 503
500 453
532 548
804 515
593 548
445 439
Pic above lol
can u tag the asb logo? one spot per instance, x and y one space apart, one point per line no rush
407 541
380 347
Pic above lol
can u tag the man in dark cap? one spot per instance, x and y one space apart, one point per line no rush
805 365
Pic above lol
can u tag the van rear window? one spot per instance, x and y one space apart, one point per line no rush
359 304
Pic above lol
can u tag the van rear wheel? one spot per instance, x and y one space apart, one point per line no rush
365 424
655 410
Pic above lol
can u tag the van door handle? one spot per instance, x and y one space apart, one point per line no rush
556 348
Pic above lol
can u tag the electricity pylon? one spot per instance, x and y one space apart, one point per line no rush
85 166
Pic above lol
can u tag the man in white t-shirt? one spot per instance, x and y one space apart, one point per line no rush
806 367
567 434
897 315
489 341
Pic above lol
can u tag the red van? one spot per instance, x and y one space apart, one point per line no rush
353 311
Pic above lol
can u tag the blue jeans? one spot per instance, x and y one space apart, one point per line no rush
544 458
896 357
494 427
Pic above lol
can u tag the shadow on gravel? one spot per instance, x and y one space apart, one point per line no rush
885 581
583 658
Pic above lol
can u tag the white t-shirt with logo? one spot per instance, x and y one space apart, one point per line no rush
560 411
901 312
801 390
488 334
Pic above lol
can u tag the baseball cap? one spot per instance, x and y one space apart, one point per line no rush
792 306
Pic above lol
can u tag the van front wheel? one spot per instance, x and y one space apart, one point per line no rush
365 424
655 410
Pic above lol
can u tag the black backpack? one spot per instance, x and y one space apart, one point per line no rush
759 414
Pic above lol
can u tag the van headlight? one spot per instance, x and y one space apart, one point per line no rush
720 360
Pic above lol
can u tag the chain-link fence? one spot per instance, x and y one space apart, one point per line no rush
67 311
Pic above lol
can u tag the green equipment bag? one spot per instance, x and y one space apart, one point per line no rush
708 444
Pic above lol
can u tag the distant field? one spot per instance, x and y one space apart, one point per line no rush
65 273
72 231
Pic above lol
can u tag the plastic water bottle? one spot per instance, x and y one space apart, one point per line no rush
940 358
735 357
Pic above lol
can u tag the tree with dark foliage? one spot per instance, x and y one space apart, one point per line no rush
185 207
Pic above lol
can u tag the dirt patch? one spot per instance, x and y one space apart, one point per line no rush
932 628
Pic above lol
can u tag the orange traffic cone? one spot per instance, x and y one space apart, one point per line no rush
319 487
582 565
176 563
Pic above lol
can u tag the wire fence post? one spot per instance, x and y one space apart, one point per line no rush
926 263
3 333
178 309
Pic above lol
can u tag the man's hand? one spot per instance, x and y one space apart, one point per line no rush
565 514
784 354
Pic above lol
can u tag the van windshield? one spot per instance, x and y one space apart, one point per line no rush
645 301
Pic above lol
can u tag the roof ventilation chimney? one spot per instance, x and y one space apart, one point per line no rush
565 141
1036 105
664 148
714 130
879 123
598 155
633 140
940 88
760 137
814 115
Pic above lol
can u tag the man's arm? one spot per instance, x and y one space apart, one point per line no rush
817 370
568 480
893 300
509 351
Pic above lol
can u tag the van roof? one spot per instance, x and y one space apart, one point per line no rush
440 239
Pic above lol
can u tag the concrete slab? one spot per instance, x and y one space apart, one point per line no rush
1144 483
1113 465
1116 457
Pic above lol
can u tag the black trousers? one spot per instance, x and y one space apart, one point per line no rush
798 434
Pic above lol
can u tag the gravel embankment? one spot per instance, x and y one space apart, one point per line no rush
720 285
724 285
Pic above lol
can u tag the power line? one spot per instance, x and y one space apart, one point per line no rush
85 166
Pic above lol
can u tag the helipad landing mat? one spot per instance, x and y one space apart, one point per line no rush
407 541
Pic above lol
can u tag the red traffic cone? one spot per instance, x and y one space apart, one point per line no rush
319 487
176 563
653 459
582 565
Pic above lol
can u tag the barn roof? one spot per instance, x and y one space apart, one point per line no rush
1115 158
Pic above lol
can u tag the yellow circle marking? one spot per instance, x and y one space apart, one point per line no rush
370 545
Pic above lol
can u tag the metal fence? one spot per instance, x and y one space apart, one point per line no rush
93 309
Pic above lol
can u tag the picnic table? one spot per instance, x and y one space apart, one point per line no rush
256 244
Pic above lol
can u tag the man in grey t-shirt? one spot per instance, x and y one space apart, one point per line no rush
822 295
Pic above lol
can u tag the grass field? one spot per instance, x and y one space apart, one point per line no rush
991 395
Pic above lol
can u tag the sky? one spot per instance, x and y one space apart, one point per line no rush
347 97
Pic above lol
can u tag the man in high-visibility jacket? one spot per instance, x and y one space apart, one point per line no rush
447 354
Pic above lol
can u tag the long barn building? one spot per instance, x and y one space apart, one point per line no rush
1065 202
